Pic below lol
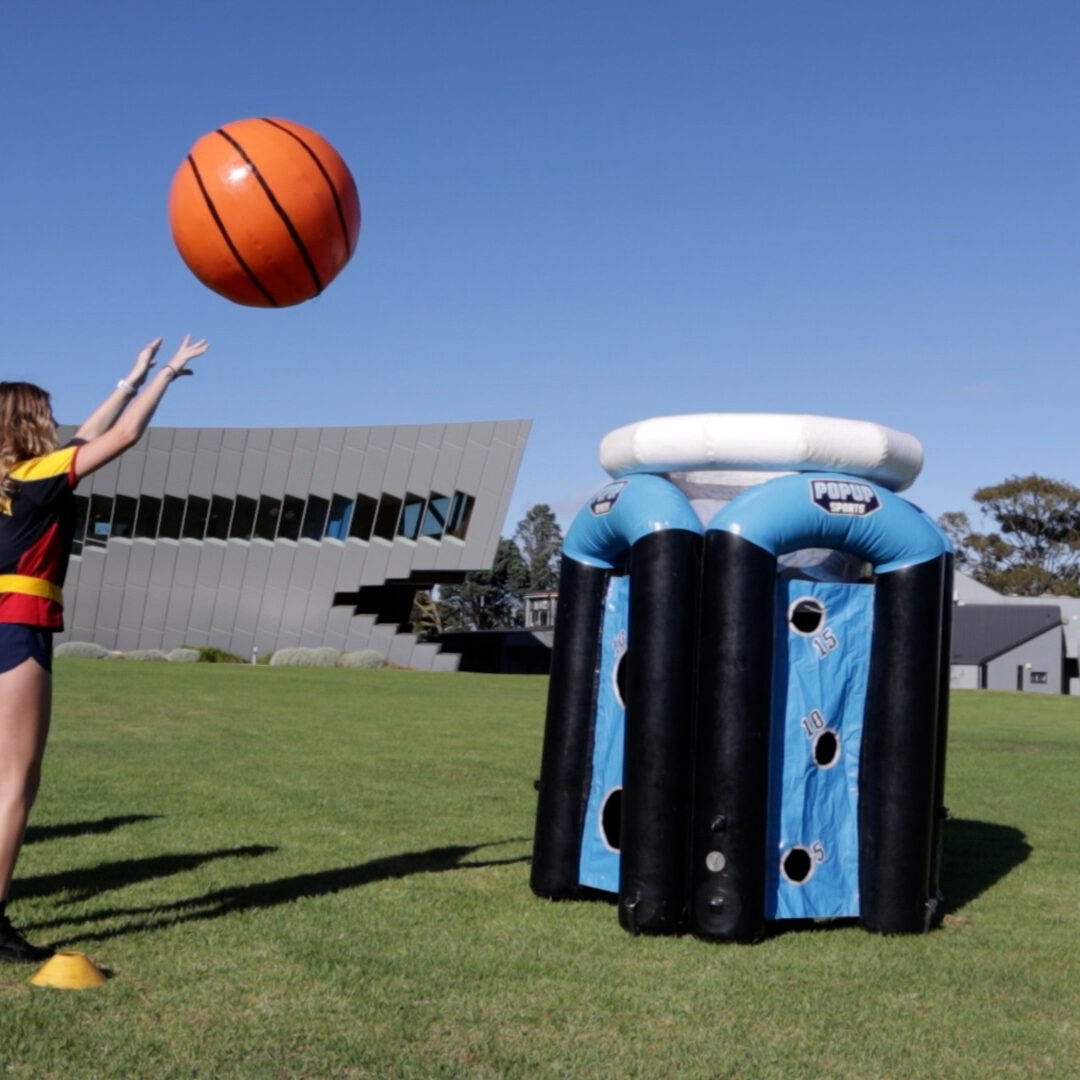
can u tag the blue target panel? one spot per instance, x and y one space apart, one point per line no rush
821 661
599 868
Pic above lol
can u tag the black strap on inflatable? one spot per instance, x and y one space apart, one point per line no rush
659 722
730 806
897 770
566 765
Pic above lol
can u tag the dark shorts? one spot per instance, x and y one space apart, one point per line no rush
19 641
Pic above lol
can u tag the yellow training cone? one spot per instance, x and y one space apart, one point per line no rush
68 971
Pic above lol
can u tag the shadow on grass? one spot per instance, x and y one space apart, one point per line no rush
91 880
266 894
978 854
36 834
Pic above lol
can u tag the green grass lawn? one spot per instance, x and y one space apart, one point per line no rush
323 873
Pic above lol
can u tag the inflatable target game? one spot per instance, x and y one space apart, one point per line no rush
747 717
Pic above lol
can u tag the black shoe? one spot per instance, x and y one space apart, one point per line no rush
15 949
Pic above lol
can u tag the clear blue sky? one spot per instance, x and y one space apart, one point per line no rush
582 213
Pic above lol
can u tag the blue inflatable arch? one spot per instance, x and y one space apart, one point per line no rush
641 526
900 765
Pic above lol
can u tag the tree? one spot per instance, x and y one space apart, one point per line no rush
487 599
1038 549
540 540
426 618
492 599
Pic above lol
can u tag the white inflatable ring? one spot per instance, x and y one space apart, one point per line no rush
764 442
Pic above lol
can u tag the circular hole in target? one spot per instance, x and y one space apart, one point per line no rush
611 819
619 680
826 749
806 616
797 865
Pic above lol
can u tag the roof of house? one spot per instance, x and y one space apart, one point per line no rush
969 591
981 632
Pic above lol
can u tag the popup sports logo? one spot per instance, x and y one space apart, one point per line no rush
844 497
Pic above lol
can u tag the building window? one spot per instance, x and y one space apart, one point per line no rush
363 517
387 517
461 508
123 520
438 508
314 518
412 513
82 508
146 518
172 516
243 519
292 513
198 509
1038 677
217 525
266 518
97 529
340 512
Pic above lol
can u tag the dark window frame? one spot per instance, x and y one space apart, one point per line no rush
363 518
315 518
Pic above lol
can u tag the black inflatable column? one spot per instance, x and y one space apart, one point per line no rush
942 731
659 720
730 804
568 733
898 774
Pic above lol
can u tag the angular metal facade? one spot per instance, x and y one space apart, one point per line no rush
261 538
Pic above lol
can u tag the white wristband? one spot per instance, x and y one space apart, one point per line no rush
128 389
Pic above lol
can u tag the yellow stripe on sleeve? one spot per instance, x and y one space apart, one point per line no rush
58 463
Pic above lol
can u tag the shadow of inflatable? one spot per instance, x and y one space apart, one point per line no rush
266 894
977 855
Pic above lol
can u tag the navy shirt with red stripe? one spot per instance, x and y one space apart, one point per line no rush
37 525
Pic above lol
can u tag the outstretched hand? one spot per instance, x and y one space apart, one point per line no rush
143 363
188 350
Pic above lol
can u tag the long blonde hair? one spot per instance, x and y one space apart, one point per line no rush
27 428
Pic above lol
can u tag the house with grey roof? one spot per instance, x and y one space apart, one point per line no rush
1020 643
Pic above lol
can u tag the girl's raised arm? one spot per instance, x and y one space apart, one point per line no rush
120 427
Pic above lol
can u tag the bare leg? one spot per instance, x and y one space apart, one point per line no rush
25 704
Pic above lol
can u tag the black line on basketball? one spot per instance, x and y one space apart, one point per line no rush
326 176
286 220
227 238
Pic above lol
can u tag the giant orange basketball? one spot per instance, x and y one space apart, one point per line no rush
264 212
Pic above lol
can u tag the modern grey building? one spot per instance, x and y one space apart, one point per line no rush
261 538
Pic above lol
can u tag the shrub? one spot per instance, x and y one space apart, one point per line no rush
300 656
183 656
211 654
364 658
144 654
84 650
